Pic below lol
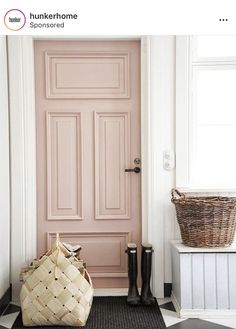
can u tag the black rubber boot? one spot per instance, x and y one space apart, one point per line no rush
146 269
133 298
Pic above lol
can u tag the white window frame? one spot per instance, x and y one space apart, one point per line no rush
184 137
182 111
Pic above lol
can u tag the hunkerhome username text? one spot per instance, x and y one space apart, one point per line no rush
55 16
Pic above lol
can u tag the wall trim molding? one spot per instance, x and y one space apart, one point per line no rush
23 156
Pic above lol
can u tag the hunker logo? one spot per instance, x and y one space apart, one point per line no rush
14 19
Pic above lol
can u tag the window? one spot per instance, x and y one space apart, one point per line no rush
210 87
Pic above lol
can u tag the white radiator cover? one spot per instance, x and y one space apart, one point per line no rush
204 281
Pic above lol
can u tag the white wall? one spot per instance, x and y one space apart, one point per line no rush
4 174
162 64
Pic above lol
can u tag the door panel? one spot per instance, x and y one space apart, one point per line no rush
88 133
70 74
112 156
110 260
64 168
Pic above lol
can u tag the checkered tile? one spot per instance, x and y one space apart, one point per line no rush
172 320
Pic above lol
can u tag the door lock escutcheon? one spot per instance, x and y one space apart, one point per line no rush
137 161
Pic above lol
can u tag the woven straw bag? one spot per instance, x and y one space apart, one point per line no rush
56 290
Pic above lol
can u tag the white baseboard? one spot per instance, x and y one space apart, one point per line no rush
202 313
175 303
208 314
111 292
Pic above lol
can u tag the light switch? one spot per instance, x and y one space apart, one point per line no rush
168 160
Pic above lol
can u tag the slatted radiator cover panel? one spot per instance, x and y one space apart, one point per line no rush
209 281
204 280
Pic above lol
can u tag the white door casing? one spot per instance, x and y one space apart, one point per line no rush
4 172
23 160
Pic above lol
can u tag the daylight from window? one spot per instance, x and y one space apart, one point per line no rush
213 112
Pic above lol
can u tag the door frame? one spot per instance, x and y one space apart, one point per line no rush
23 157
4 175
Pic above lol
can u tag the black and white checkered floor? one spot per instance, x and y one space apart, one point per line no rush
173 321
171 318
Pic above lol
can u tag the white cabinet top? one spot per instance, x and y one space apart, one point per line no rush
185 249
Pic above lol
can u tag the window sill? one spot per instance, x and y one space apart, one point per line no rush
206 190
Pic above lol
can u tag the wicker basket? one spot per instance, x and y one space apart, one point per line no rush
205 221
57 290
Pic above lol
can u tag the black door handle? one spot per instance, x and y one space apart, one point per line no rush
136 170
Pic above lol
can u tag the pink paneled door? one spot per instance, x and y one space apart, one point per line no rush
88 133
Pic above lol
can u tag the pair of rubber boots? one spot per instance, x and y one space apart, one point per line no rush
146 297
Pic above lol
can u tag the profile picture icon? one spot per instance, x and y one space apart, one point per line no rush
14 19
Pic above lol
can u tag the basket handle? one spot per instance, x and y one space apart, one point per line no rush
177 194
